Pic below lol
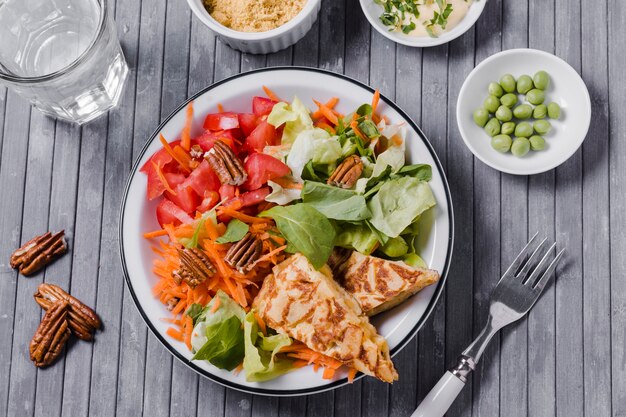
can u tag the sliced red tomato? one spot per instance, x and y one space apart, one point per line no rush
221 121
264 134
160 157
202 180
156 187
227 192
185 198
261 168
211 199
247 122
208 139
169 213
262 106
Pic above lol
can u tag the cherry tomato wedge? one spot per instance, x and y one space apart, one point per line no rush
169 213
185 198
262 106
247 122
211 199
227 191
264 134
202 180
221 121
160 157
261 168
208 139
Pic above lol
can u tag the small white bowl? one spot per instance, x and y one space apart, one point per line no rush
373 11
261 42
566 88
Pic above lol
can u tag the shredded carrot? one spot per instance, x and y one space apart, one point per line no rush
330 104
328 373
261 323
238 369
216 306
174 334
271 94
188 326
185 137
220 108
355 127
351 374
243 217
171 152
183 155
156 233
287 183
323 125
397 140
328 113
375 100
161 176
272 253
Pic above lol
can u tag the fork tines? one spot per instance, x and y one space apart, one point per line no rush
531 267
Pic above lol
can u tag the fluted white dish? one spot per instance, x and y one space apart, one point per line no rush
261 42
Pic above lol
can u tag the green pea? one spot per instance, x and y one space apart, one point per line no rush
481 116
492 127
523 130
524 84
495 90
537 143
501 143
523 111
542 126
554 110
491 104
520 147
540 112
541 80
508 83
504 114
507 128
535 96
509 100
395 247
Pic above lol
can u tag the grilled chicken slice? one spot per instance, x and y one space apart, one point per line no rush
310 306
378 284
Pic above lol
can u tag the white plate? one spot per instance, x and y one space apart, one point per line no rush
566 88
373 11
138 216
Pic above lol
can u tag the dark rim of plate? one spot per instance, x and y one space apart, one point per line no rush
334 384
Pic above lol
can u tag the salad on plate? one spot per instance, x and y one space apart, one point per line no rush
282 231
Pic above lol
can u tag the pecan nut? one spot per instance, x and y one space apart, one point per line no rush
226 164
51 335
38 252
196 152
347 173
244 254
82 320
195 267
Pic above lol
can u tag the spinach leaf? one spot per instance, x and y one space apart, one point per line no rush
194 312
335 203
306 230
235 231
422 172
225 345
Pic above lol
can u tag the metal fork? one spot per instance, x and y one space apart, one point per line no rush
516 293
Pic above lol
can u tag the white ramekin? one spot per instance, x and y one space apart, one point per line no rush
261 42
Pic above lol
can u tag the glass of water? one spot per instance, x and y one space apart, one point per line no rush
62 55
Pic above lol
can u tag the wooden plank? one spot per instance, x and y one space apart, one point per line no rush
459 302
263 406
514 226
617 170
84 280
596 212
541 319
332 35
117 374
486 379
568 223
62 215
38 175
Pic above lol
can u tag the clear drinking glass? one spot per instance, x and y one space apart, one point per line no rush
62 55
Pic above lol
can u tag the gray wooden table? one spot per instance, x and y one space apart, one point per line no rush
567 359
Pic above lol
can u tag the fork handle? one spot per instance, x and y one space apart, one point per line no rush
441 397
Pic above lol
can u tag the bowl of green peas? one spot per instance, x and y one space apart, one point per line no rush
523 111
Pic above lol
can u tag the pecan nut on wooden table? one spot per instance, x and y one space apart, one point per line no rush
51 335
38 252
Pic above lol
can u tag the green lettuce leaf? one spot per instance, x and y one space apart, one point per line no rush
217 336
235 231
358 237
282 196
422 172
335 203
306 230
398 203
314 145
294 116
260 361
